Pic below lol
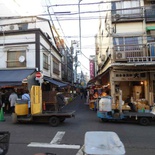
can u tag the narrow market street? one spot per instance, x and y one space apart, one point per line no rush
134 137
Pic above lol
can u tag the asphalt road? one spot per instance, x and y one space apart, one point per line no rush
137 139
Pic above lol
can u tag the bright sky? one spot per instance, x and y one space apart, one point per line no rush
68 23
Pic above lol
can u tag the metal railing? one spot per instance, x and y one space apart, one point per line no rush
127 14
134 53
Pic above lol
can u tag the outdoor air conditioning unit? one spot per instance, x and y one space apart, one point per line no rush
23 26
120 55
103 57
11 27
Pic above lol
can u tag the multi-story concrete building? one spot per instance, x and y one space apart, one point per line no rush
27 46
125 48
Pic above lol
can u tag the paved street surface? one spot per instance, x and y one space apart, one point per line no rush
138 140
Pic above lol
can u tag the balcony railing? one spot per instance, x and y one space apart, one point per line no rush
150 14
129 14
133 53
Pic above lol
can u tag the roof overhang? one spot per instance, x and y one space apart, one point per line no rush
55 82
12 77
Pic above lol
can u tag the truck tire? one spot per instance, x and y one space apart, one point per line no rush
54 121
144 121
104 120
62 119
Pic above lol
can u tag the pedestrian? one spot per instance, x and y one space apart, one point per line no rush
85 93
60 99
12 99
26 97
132 105
82 92
95 96
6 101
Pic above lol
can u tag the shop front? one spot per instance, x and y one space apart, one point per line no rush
19 79
97 88
132 86
136 84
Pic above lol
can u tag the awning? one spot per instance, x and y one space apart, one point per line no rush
55 82
97 80
94 81
150 28
14 76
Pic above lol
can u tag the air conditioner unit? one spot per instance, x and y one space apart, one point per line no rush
11 27
103 57
23 26
120 55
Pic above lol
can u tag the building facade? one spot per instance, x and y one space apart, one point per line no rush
125 49
28 44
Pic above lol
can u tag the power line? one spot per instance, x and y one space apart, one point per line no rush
75 4
58 23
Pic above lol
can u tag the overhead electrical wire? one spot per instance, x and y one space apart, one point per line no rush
60 18
58 22
95 3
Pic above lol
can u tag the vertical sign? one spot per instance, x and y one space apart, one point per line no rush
92 67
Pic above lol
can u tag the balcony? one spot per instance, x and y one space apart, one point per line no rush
128 14
134 53
150 14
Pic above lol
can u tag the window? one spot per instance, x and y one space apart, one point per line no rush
16 58
56 67
121 7
45 61
127 43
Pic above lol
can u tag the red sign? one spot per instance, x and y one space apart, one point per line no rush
92 69
38 75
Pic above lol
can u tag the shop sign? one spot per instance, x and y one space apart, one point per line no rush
38 74
39 77
92 69
130 76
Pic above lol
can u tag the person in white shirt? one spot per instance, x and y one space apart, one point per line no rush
12 99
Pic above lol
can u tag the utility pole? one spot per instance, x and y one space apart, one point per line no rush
79 11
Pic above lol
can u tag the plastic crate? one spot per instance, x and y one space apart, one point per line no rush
4 142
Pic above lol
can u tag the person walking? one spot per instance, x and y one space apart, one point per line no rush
12 99
6 101
26 96
82 93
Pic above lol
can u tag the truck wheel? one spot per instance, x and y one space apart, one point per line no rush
144 121
54 121
104 120
62 119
